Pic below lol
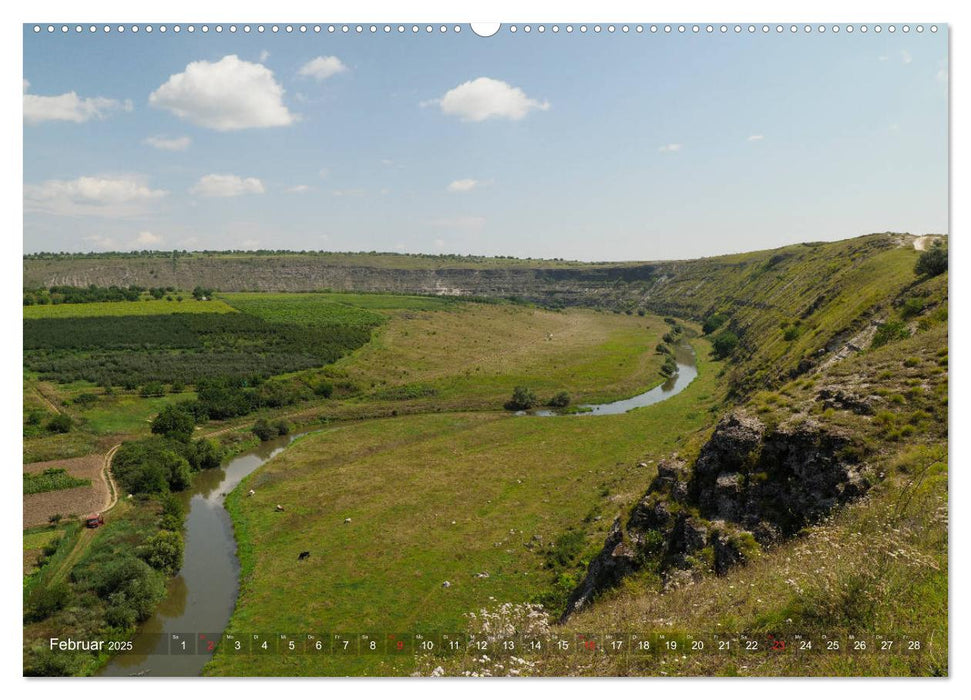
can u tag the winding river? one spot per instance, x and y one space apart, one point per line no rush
201 598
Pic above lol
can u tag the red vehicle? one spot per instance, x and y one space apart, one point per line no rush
94 520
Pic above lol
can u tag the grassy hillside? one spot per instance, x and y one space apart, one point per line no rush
434 498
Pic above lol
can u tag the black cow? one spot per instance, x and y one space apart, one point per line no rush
303 555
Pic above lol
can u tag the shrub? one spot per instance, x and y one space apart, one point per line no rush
724 344
282 427
932 262
522 399
912 306
263 430
164 551
46 600
206 454
153 465
324 388
61 423
85 400
152 389
174 421
173 513
889 331
560 400
713 323
670 367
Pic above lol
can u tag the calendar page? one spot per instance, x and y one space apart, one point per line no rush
525 349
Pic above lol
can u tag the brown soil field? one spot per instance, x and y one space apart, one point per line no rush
38 507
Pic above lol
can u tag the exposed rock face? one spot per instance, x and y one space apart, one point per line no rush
751 486
841 399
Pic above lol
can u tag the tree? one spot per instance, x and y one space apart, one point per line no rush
713 323
61 423
153 389
174 422
932 262
724 344
263 430
207 455
165 550
522 399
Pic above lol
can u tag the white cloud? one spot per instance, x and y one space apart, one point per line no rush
321 68
69 107
324 172
942 71
670 148
883 58
113 196
756 137
226 186
162 143
227 95
439 243
486 98
147 238
465 185
299 189
352 192
264 54
905 57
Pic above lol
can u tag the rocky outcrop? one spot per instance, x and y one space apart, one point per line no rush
750 487
842 399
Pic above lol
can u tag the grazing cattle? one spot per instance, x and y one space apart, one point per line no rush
251 492
303 555
279 508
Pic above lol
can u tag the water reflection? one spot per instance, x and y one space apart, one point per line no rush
200 599
684 356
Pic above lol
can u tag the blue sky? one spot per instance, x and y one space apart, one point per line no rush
593 147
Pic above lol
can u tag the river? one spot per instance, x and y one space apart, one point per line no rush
202 596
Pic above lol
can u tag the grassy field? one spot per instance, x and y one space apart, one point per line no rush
149 307
127 413
309 309
474 355
434 498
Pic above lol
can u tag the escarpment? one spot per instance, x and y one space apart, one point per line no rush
752 486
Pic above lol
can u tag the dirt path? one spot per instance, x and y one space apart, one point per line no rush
47 399
112 498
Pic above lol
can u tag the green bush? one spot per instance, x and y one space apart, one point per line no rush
713 323
324 388
174 421
205 454
61 423
263 430
932 262
912 306
44 601
85 400
724 344
670 367
152 465
522 399
890 331
560 400
164 551
152 389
